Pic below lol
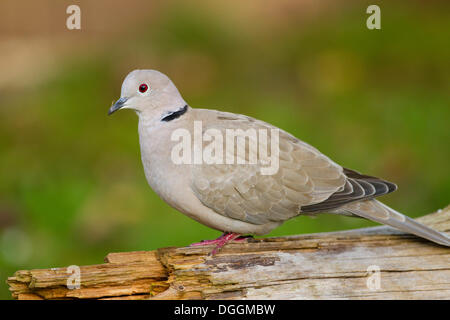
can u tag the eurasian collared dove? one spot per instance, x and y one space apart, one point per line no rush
235 195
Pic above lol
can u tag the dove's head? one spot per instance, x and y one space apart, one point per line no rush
148 90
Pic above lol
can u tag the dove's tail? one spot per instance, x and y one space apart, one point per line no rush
379 212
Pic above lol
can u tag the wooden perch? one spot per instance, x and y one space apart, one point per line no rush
370 263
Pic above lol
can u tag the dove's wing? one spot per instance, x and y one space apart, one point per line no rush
307 182
376 211
240 191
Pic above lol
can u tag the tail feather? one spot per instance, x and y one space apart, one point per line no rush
379 212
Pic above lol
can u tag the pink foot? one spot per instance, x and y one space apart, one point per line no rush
220 241
207 242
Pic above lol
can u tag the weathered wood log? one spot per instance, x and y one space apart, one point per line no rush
370 263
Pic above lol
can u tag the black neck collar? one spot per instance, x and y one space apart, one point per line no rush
174 114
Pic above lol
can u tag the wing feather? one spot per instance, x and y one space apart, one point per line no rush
358 187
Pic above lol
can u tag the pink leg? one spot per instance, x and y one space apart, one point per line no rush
220 241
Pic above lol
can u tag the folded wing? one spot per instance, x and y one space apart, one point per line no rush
240 191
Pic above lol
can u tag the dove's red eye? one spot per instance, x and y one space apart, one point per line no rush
143 87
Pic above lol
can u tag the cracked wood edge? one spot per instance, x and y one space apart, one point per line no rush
334 265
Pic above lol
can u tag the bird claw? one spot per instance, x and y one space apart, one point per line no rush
220 242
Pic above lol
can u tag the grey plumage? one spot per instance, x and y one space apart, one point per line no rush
238 198
358 187
376 211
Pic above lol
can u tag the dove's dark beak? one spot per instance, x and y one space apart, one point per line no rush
118 105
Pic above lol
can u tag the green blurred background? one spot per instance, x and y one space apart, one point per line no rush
72 186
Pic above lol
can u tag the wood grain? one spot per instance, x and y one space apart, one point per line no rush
336 265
